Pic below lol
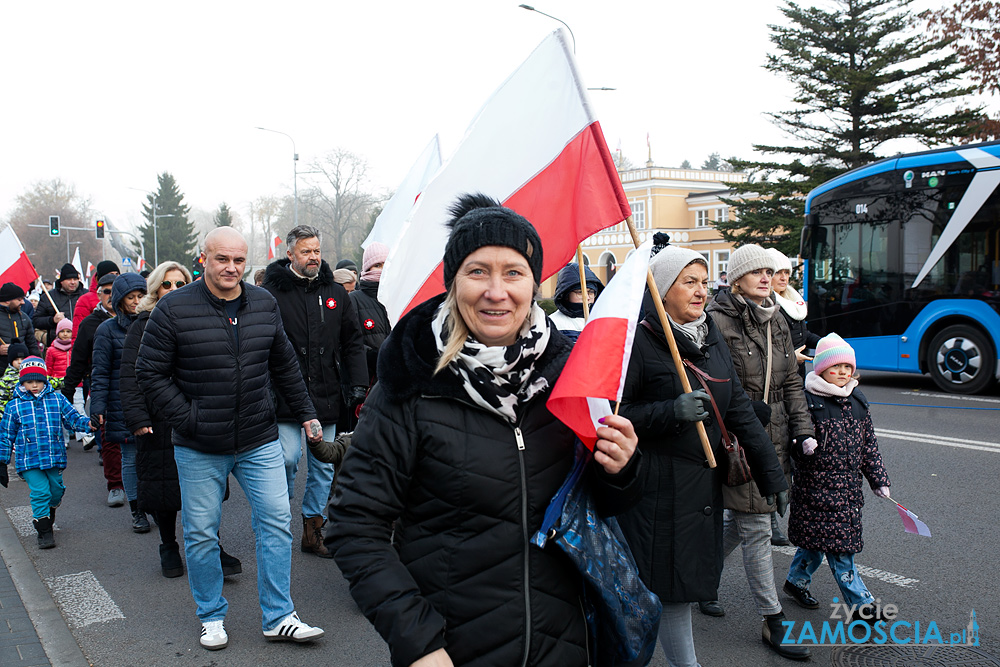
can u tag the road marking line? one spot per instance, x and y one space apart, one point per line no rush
954 397
22 518
82 599
868 572
938 440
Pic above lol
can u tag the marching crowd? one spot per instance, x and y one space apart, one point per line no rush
430 455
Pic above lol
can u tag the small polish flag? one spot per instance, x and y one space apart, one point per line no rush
594 374
142 264
272 250
15 267
911 523
537 147
90 271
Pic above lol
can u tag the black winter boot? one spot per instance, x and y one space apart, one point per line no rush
772 633
230 564
778 537
170 560
46 539
140 524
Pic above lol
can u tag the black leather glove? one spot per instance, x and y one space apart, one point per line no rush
781 499
692 406
356 396
4 479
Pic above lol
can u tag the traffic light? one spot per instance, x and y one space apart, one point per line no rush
53 225
99 229
198 267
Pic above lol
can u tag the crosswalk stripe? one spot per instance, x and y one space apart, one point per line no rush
961 443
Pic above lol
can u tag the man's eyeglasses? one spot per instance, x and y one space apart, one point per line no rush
177 283
106 292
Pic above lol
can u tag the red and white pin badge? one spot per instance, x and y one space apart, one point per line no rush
369 324
331 303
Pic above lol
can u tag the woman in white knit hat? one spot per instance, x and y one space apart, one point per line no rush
675 531
761 347
793 308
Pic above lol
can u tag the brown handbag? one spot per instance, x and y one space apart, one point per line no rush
737 469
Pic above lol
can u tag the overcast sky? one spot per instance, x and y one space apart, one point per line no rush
106 95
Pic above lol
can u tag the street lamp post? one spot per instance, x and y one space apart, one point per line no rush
532 9
295 171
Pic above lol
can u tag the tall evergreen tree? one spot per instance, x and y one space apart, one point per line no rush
224 216
175 238
865 73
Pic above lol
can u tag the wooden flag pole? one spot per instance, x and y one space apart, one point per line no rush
583 283
54 306
672 344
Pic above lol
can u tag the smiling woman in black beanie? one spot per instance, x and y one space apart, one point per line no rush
456 448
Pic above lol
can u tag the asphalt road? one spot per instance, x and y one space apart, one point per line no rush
944 462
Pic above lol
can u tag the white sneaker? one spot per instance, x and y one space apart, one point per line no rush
293 630
213 636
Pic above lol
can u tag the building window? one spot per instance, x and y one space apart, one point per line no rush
721 262
708 259
638 213
701 218
722 214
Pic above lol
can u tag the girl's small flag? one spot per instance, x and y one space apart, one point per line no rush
911 523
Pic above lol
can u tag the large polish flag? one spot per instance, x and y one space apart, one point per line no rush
390 222
537 147
15 267
595 372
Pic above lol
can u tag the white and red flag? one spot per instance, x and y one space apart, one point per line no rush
142 264
911 523
15 267
595 372
90 272
537 147
390 222
272 248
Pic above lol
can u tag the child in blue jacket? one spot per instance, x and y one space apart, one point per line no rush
32 424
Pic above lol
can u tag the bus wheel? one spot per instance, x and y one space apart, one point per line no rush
961 360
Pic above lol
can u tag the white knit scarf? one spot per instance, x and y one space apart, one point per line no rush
793 304
817 385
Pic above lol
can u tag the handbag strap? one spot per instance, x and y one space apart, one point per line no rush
702 376
767 373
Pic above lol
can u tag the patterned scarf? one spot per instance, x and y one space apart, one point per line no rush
498 378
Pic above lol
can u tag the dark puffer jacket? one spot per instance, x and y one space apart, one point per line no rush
16 328
568 317
105 387
44 317
159 490
826 492
320 322
216 397
675 531
466 499
82 358
373 319
747 341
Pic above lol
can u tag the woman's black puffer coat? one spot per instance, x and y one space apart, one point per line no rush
675 531
467 490
159 490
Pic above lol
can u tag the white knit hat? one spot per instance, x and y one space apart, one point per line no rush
669 263
781 261
748 258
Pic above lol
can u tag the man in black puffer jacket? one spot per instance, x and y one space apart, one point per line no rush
60 303
371 313
210 353
321 324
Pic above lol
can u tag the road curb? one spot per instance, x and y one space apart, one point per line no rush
58 642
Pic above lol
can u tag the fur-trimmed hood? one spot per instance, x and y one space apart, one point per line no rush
408 357
280 276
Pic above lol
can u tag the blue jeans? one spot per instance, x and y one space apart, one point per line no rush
676 638
45 488
130 479
807 561
203 483
319 477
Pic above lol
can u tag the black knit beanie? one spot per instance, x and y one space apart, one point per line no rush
478 221
68 271
106 267
10 291
16 351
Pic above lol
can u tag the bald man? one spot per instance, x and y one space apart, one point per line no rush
210 354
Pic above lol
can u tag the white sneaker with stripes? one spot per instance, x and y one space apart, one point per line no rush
291 629
213 635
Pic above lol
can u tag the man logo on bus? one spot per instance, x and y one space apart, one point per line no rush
908 178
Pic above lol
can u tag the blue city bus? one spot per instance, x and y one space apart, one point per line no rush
902 258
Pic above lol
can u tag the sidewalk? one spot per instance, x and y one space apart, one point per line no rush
32 631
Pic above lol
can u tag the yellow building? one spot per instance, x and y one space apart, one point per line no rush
684 203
